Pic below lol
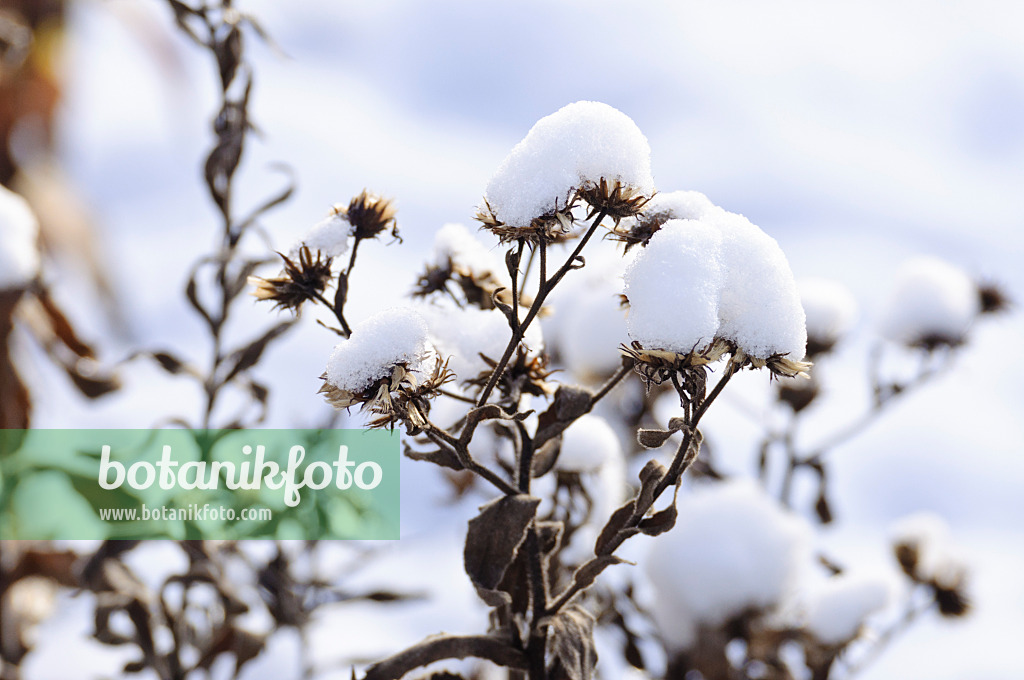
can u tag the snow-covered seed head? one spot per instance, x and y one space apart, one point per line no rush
302 279
925 552
830 309
705 287
387 367
461 263
19 233
662 207
931 306
584 150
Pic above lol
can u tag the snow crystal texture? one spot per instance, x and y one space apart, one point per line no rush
392 336
578 144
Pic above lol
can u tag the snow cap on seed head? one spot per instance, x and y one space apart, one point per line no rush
574 148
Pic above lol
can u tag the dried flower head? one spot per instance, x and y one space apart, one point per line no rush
401 396
779 364
657 365
370 215
526 373
299 281
993 298
554 226
615 199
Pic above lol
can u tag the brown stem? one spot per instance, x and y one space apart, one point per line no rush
676 469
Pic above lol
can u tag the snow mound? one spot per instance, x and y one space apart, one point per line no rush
717 276
587 445
390 337
830 308
579 144
732 549
840 605
932 299
329 236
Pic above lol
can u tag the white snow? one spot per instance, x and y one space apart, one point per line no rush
839 606
329 236
759 308
673 287
679 205
588 444
469 254
19 231
720 276
578 144
589 321
931 297
732 548
462 334
392 336
829 306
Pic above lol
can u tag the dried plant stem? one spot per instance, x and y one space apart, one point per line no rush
543 290
598 563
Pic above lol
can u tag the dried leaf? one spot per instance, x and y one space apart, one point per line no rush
615 524
650 476
588 573
572 643
653 439
570 403
245 358
545 457
494 537
442 457
659 522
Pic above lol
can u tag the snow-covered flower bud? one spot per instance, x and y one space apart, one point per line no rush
584 150
733 551
925 552
387 366
932 305
704 287
830 309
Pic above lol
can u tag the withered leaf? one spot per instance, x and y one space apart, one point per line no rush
546 456
615 524
570 403
588 573
245 358
650 476
653 439
62 328
494 537
572 643
442 457
659 522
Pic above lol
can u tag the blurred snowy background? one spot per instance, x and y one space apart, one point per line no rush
858 135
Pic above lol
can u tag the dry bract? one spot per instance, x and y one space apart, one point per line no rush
300 281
